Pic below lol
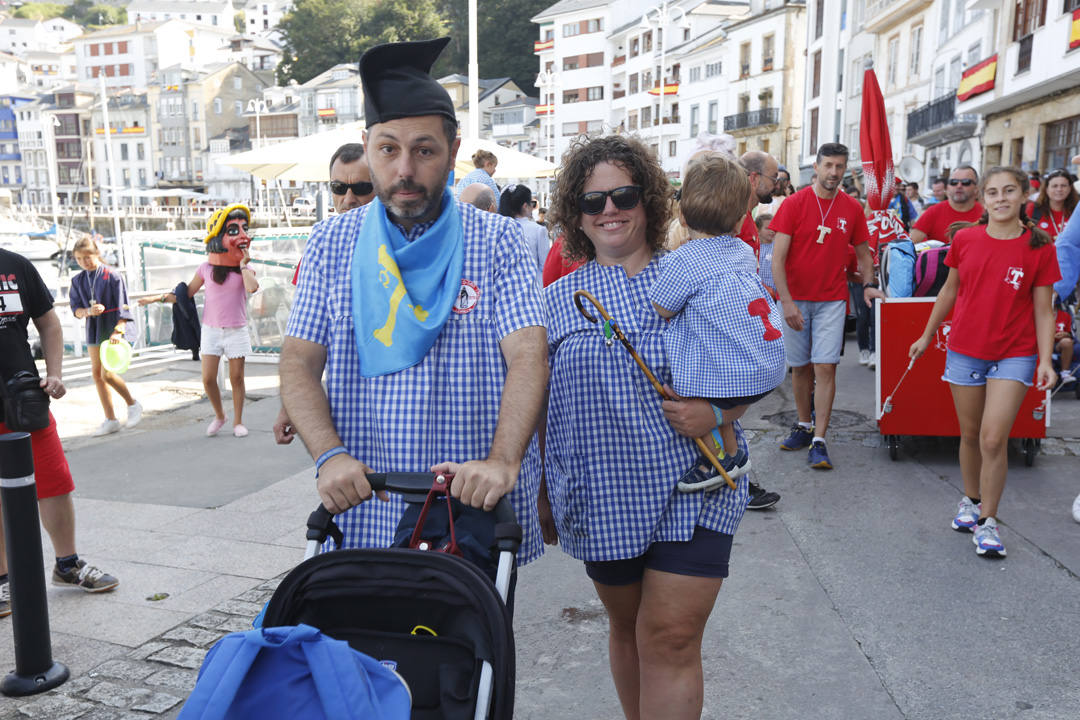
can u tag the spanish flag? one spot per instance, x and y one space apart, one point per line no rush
1074 30
977 79
669 89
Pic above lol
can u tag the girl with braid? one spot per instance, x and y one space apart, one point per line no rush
1001 273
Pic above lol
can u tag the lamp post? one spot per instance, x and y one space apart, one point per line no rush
258 107
659 17
547 80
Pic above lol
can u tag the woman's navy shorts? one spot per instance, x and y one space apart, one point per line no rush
706 554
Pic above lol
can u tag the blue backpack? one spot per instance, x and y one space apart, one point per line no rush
898 268
285 673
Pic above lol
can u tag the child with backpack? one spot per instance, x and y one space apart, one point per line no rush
1001 272
228 280
724 337
99 295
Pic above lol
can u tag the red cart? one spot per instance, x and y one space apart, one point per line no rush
922 404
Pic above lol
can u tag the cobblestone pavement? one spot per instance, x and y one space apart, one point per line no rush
154 679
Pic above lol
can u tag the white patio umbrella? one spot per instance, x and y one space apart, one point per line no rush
307 159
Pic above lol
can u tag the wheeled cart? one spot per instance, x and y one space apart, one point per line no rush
922 404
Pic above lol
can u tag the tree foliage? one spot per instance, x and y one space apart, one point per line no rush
101 15
319 34
39 11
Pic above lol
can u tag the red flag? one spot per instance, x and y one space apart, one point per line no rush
879 176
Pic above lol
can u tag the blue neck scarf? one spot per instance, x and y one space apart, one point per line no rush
402 291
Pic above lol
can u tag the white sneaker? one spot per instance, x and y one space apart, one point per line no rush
1076 509
134 415
107 428
873 360
987 539
864 357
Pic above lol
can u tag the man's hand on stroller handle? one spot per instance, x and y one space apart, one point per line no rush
342 483
479 483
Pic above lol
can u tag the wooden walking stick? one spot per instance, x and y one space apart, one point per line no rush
612 328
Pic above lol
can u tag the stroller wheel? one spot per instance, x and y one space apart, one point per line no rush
894 447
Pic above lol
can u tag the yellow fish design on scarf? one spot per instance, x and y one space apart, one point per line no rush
402 291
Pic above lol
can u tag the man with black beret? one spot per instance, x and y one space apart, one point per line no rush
425 313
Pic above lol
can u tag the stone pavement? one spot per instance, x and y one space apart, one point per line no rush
852 599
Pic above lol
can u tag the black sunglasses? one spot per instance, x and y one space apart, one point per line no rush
625 198
965 182
358 189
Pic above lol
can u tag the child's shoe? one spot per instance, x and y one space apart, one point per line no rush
703 475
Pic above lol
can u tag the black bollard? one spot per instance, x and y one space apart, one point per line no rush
35 670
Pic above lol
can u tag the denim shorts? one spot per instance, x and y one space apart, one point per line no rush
705 554
965 370
822 336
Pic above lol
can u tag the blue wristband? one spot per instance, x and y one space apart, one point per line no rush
718 414
339 450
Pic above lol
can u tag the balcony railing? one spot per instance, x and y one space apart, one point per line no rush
766 64
618 60
937 123
616 94
744 70
1023 58
751 119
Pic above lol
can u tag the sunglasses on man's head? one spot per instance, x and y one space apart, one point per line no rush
625 198
966 182
358 188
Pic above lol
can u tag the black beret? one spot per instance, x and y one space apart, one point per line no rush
397 81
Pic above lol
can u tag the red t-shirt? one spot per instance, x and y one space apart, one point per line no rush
748 234
937 218
1063 323
554 264
1049 221
994 316
818 271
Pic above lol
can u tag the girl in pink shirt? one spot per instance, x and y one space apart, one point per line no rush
228 280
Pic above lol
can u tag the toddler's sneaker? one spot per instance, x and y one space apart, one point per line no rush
107 428
703 475
987 540
760 498
800 437
86 577
215 426
134 415
967 515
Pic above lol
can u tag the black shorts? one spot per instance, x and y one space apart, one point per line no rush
729 403
706 554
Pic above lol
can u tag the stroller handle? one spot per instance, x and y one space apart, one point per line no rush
321 522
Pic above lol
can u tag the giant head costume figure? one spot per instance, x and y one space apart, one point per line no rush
227 235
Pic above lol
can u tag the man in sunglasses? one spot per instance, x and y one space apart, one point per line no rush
962 188
350 178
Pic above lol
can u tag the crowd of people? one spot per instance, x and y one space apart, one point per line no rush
421 296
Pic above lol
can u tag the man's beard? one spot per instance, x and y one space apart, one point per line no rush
427 204
764 198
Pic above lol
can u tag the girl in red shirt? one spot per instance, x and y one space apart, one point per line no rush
1055 205
1000 275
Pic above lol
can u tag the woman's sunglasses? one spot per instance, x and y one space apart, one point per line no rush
358 188
625 198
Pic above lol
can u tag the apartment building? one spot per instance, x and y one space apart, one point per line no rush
1025 84
129 55
14 72
208 13
263 16
48 69
189 108
22 35
11 162
54 141
515 125
332 97
131 140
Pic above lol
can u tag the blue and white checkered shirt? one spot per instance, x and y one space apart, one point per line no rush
479 175
612 461
765 265
716 346
444 408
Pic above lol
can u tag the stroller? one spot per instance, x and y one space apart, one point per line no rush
434 618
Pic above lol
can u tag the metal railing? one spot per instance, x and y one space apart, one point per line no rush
751 118
1023 58
932 115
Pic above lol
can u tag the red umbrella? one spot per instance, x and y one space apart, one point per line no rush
879 176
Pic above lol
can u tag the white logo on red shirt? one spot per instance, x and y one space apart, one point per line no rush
1013 276
467 297
942 336
1044 225
842 222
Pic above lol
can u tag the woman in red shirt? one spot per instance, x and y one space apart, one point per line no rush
1056 202
1000 275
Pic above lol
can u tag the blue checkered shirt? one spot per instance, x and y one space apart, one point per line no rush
717 348
444 408
765 266
479 175
612 461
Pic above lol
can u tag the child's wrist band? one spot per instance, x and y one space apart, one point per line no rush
339 450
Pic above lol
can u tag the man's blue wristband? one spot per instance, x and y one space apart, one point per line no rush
340 449
718 414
